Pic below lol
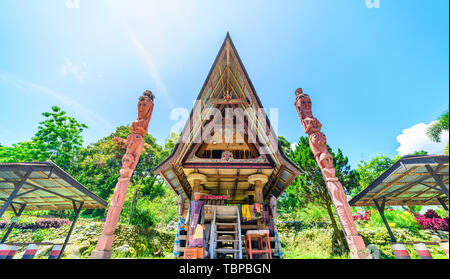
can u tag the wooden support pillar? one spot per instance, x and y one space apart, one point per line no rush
17 187
13 222
195 180
381 210
437 179
77 211
196 188
441 201
259 180
259 192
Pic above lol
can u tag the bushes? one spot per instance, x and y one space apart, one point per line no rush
432 221
395 218
309 216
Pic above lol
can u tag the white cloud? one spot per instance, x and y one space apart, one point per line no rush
77 71
415 139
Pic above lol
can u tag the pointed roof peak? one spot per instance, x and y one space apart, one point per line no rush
228 37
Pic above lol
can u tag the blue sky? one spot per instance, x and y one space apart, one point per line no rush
373 74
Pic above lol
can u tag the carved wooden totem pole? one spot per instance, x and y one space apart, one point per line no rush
135 144
318 144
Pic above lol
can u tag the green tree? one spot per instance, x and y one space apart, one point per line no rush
61 136
285 146
27 151
435 130
369 171
58 137
311 187
98 165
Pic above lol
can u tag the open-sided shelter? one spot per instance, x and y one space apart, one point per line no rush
42 186
412 180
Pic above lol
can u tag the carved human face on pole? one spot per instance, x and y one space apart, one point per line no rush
327 166
303 103
144 106
326 160
318 143
134 143
298 93
127 161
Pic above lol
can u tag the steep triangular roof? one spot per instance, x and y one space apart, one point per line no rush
228 85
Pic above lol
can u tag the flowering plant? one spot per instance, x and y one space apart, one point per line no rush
432 221
361 217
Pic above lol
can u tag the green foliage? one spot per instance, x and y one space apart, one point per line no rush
98 165
369 171
285 146
421 152
435 130
441 124
395 218
24 152
61 135
58 136
441 212
311 187
40 235
310 215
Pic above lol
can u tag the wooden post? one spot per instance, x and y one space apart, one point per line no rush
259 180
11 226
318 144
12 196
381 211
135 144
77 214
196 188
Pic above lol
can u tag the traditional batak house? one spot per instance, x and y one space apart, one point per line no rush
227 169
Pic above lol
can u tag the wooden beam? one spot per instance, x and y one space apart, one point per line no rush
438 179
236 184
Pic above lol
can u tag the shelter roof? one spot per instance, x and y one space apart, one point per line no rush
45 186
412 180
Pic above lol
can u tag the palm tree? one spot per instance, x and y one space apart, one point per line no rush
435 130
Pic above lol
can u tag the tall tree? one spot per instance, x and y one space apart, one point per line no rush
58 136
61 135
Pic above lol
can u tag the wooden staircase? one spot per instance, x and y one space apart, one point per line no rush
225 238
